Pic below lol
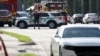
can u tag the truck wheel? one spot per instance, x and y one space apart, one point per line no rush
22 25
52 25
1 25
10 24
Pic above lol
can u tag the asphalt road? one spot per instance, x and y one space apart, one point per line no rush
41 37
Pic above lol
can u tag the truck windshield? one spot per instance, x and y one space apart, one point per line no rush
22 14
4 6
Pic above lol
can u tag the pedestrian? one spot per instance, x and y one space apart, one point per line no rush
36 19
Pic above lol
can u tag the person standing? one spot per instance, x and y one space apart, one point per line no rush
36 19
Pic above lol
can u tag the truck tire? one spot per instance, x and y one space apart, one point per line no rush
52 24
22 24
10 24
1 25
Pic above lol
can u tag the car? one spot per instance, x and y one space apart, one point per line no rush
77 18
91 17
51 20
46 19
76 40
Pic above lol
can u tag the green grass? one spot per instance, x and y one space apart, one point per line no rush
21 38
27 54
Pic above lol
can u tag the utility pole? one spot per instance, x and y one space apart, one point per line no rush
97 6
90 3
82 6
74 6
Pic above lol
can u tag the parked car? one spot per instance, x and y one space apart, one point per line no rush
46 19
76 40
77 18
91 17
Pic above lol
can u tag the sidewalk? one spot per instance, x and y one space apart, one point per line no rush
13 45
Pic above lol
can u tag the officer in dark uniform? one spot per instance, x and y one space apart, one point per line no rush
36 19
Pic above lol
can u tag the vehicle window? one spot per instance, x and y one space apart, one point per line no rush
63 14
3 13
22 14
56 14
93 15
78 15
44 15
81 32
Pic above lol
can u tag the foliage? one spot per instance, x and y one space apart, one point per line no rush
27 54
77 8
21 38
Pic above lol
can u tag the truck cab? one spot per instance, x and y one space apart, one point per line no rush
5 18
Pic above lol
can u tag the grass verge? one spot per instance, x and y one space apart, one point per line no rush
21 38
27 54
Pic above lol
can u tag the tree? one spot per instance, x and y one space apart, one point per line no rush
28 3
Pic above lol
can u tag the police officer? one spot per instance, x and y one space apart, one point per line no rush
36 19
